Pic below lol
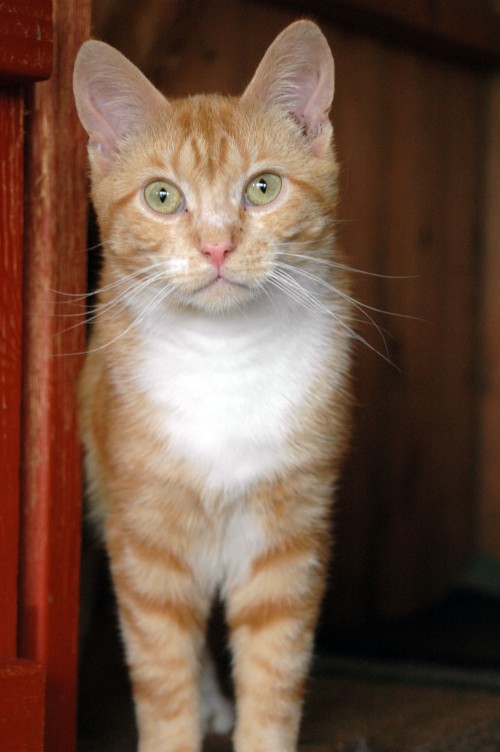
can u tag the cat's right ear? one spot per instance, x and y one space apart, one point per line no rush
112 98
296 75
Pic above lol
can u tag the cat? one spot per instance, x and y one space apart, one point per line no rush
215 394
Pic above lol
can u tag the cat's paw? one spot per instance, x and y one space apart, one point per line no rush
217 714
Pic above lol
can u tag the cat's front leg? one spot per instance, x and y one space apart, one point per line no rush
272 618
162 617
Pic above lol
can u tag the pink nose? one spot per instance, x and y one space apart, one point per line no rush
217 252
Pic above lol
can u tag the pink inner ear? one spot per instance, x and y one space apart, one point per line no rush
115 110
106 119
112 97
304 83
297 76
101 129
309 96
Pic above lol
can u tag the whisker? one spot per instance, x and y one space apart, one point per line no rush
95 247
160 296
345 267
128 294
283 285
304 297
343 295
76 297
363 307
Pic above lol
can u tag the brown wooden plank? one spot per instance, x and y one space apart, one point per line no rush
138 29
411 199
22 685
360 113
11 271
490 460
458 30
26 40
55 245
427 498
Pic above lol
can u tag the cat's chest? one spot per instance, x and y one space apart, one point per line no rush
227 400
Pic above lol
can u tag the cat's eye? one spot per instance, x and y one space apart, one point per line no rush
262 189
163 197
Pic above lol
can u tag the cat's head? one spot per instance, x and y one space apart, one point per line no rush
203 196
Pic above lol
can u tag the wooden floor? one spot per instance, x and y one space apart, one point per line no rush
346 714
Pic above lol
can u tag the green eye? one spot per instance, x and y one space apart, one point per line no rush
262 189
163 197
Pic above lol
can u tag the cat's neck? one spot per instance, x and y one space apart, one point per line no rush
265 317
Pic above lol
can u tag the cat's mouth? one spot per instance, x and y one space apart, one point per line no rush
221 293
220 282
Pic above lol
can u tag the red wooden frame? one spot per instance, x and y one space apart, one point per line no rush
26 44
55 244
21 706
11 270
21 57
43 199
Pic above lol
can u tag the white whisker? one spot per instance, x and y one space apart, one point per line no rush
344 267
127 295
362 307
77 297
159 297
288 284
359 306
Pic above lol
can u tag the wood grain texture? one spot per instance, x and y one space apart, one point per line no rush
409 133
464 32
55 245
22 687
136 28
26 40
490 465
11 270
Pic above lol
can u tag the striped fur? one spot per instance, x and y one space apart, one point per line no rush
215 410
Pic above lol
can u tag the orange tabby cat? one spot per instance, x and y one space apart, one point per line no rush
215 392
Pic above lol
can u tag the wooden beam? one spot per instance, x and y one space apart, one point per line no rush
11 326
22 686
26 40
55 260
490 441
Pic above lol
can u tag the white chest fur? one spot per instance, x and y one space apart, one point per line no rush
230 389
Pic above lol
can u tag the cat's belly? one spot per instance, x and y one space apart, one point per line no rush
229 412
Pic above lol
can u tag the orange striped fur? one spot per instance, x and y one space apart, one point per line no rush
215 395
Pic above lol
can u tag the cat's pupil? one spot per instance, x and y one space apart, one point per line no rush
162 195
262 185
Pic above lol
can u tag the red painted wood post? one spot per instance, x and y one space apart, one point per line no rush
55 244
26 47
21 706
11 218
25 55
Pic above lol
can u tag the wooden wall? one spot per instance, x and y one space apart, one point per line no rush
410 136
489 499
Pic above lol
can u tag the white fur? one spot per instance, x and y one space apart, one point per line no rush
231 387
225 562
177 264
228 392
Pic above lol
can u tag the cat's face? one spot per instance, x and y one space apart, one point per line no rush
207 197
200 200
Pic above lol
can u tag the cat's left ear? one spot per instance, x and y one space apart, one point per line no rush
297 75
112 99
